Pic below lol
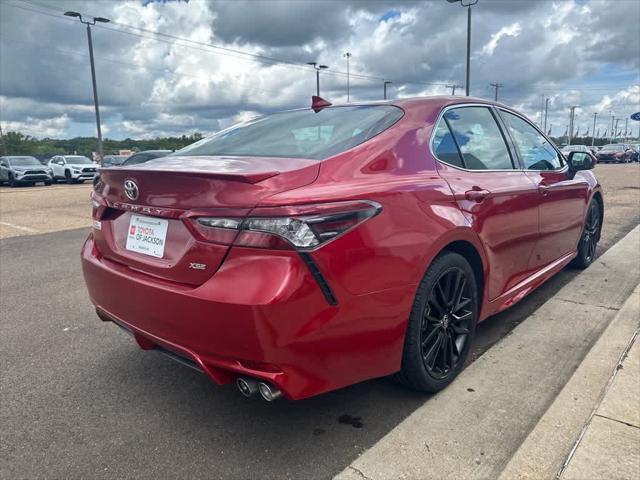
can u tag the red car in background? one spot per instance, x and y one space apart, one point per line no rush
616 153
312 249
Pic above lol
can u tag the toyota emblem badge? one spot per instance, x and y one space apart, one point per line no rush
131 189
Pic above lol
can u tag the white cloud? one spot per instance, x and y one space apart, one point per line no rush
512 30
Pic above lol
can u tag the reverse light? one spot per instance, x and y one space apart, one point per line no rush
296 227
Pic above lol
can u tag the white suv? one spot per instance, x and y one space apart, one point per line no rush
72 168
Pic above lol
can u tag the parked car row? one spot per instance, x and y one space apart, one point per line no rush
618 153
27 170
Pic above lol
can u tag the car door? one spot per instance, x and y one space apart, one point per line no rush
492 191
563 195
60 163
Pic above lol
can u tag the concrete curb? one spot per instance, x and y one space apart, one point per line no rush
473 428
544 451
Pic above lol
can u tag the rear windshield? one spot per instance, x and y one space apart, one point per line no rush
616 148
300 133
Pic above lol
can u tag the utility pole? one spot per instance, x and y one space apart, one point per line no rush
496 86
593 135
571 122
348 56
611 126
615 130
384 86
317 68
93 70
453 89
546 112
467 4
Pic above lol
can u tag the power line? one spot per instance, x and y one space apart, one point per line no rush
236 53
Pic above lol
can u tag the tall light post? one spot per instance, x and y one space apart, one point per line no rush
546 113
572 116
93 70
467 4
384 87
317 68
347 55
593 136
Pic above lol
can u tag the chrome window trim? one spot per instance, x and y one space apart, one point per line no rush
492 106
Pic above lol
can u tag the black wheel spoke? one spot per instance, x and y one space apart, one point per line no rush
447 322
430 355
429 337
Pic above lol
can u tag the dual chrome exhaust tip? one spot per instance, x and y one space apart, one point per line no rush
249 387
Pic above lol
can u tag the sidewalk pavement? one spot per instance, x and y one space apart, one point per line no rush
518 410
609 445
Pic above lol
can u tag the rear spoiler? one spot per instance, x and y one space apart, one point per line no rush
232 177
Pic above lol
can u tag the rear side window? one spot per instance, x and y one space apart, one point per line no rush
300 133
535 151
445 147
478 138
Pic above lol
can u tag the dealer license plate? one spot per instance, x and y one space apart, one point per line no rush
147 235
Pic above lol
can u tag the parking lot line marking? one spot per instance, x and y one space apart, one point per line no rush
19 227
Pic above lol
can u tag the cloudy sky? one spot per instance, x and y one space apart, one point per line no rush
176 67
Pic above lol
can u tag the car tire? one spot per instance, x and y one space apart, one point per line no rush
12 181
67 176
79 181
47 184
441 326
590 237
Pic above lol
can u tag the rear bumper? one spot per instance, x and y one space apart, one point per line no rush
261 315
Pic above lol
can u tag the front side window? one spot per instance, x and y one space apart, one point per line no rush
535 151
300 133
479 139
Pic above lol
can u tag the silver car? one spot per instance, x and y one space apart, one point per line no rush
16 170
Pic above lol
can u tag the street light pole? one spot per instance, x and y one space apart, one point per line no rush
93 71
546 112
571 122
467 4
348 56
384 86
317 68
593 136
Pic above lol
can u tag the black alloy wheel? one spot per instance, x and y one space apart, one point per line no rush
441 326
447 321
590 237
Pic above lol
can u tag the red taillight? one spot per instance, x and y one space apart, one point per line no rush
305 227
98 206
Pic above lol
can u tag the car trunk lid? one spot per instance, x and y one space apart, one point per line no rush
146 226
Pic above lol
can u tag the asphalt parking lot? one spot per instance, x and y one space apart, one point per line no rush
80 400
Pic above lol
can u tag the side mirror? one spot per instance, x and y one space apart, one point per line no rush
580 161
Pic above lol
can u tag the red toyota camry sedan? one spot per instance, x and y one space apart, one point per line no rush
312 249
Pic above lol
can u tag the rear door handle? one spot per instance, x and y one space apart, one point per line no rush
476 195
543 189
